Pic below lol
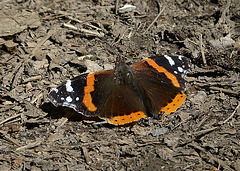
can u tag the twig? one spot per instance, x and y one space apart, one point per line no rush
201 122
30 145
10 139
154 20
16 120
219 89
90 32
32 78
11 75
86 155
182 122
204 131
116 6
224 90
60 123
226 120
17 75
38 97
10 118
50 33
119 38
202 50
70 26
79 21
191 41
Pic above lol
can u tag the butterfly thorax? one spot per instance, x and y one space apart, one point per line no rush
123 74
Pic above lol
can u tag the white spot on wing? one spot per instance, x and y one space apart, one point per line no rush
62 98
56 90
69 99
180 58
180 69
170 60
77 98
68 86
175 72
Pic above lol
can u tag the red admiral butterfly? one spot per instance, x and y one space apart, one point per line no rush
127 93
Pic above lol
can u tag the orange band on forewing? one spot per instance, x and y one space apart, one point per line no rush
174 105
121 120
90 79
88 89
163 70
87 99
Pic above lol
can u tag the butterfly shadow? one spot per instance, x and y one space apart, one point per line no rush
60 112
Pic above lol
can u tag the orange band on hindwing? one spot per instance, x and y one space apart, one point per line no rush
127 118
169 75
87 99
174 105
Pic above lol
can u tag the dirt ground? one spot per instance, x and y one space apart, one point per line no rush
43 43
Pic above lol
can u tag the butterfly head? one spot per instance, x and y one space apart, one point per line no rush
122 71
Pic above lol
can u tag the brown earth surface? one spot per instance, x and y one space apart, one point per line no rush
43 43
